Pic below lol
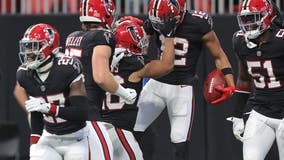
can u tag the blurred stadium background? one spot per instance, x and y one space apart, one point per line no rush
211 137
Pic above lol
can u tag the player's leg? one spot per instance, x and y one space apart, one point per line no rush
180 104
100 142
150 106
43 152
258 137
76 145
280 138
79 150
124 144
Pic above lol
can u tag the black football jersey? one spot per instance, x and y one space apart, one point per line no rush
80 44
55 89
115 111
188 46
265 66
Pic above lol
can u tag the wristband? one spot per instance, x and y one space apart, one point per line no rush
226 71
53 109
121 91
34 138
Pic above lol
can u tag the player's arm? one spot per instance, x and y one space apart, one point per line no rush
21 96
242 92
221 61
103 76
101 72
211 41
36 127
239 99
157 68
78 108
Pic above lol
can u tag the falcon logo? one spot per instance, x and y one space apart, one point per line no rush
107 36
131 29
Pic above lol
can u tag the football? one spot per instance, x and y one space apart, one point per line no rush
215 78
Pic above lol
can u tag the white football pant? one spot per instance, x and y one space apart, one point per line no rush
73 146
124 144
179 100
100 142
259 135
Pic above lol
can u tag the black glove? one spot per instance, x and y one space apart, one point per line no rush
147 25
167 28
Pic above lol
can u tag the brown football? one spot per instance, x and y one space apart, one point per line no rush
214 78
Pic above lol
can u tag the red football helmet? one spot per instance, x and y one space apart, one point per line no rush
101 11
158 9
255 17
38 43
132 37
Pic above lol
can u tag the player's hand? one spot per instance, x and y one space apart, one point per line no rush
39 105
227 92
238 127
118 55
130 97
134 77
147 25
131 18
168 27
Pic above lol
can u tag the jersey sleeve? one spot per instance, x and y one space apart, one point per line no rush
236 42
21 71
72 68
102 37
203 20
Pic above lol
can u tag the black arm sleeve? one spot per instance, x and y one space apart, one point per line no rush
36 123
77 111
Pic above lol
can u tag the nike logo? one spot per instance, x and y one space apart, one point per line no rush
182 86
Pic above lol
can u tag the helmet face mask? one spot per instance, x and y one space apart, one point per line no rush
37 45
31 53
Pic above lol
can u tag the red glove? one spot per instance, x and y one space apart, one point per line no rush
227 92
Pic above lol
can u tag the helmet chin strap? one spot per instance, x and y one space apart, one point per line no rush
45 66
250 44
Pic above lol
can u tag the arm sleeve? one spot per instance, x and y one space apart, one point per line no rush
36 126
240 99
76 111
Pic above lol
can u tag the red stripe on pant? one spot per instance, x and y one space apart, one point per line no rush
102 140
125 143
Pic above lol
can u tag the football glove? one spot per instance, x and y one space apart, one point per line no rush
227 92
118 55
130 96
238 127
147 25
131 18
39 105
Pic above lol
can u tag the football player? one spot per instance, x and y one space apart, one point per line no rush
260 53
174 90
94 46
57 97
131 44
